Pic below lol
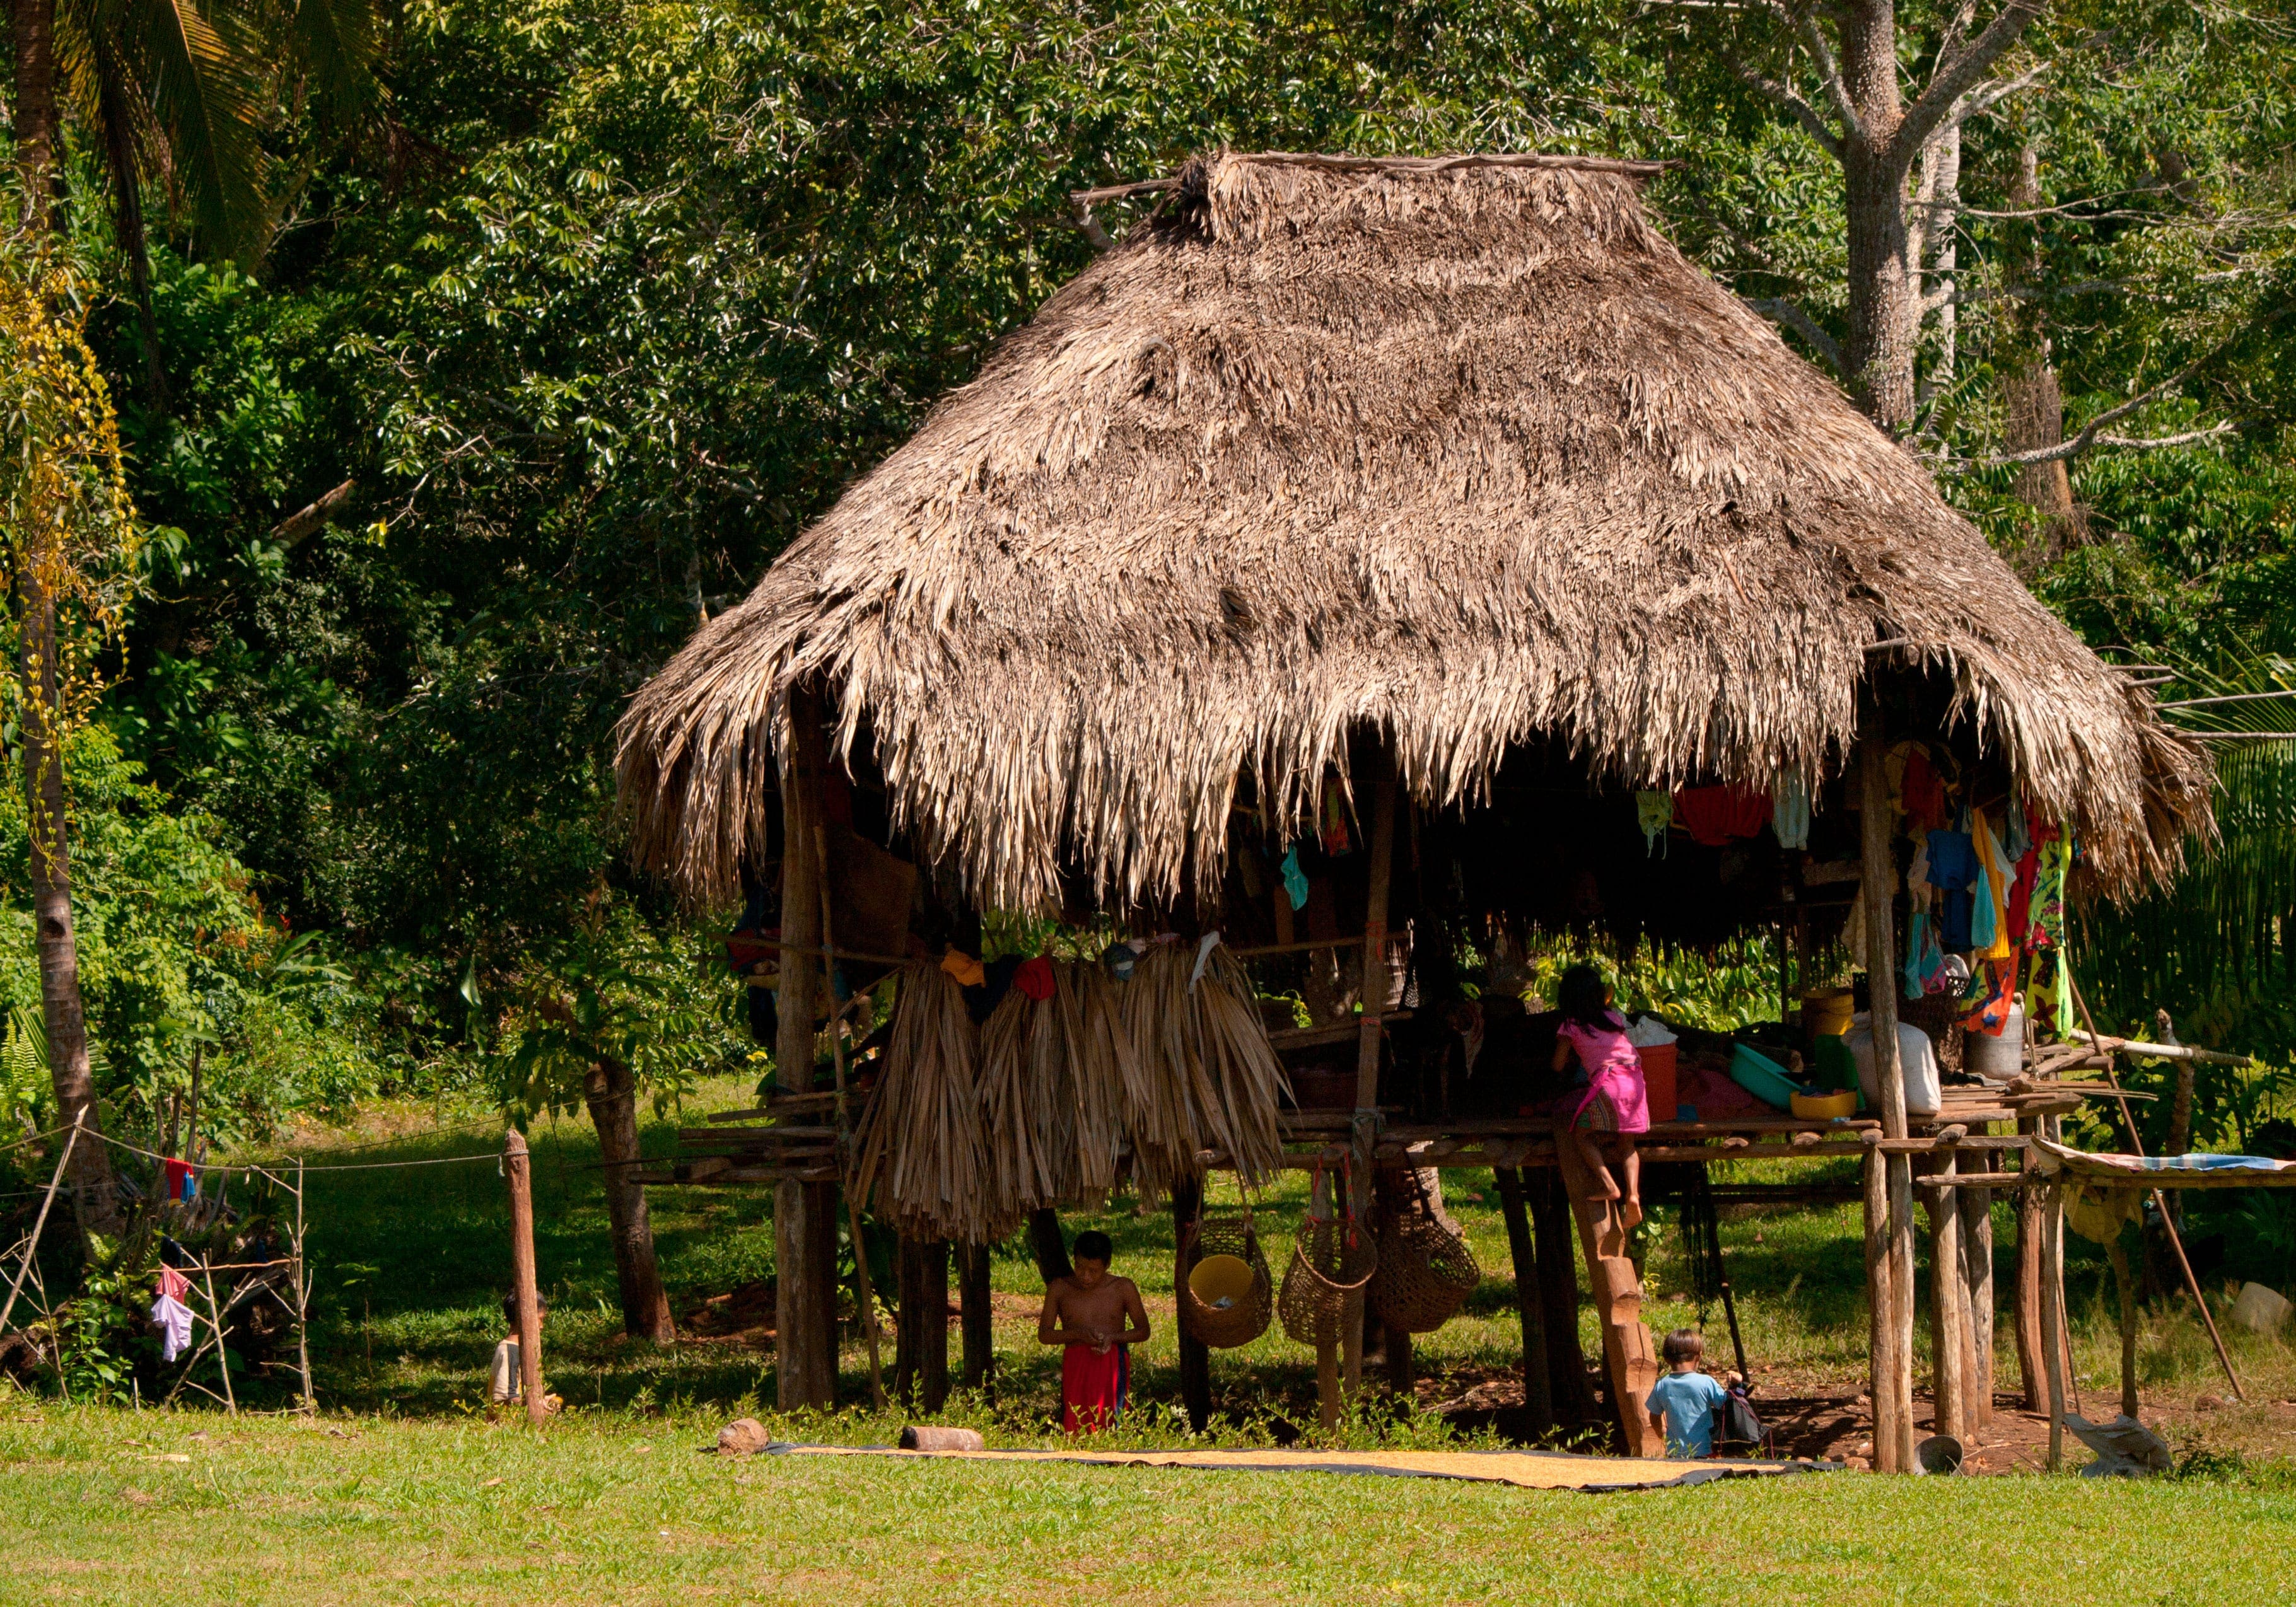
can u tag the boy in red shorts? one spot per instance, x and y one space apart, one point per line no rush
1094 1317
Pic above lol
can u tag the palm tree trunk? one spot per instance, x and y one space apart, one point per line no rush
612 1098
96 1201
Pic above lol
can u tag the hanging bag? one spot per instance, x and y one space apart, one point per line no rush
1426 1272
1331 1259
1737 1431
1227 1298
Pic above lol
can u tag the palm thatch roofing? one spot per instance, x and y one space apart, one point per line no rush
1461 451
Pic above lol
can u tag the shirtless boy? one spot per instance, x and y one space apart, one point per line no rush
1093 1315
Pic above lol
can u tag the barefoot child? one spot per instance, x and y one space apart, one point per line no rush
1094 1317
1682 1404
1615 1102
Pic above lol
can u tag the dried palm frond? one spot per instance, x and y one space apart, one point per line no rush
922 1147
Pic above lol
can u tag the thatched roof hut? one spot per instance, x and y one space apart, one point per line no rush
1460 450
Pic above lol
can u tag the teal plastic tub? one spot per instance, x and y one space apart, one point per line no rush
1765 1078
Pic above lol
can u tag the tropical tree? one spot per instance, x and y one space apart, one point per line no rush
614 1011
163 89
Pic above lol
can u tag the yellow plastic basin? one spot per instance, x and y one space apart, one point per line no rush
1825 1107
1216 1279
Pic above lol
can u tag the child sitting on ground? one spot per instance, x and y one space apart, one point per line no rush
504 1382
1615 1101
1682 1404
1093 1315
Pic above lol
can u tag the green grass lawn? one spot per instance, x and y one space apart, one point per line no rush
109 1505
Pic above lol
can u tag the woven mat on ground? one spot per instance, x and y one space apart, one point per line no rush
1526 1470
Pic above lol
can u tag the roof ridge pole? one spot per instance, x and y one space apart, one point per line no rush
1892 1381
1372 998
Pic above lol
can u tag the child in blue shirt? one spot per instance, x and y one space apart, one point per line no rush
1682 1404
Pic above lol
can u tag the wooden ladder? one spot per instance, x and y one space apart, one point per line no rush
1627 1350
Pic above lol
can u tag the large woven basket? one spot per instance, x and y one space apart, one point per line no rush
1334 1257
1426 1272
1224 1328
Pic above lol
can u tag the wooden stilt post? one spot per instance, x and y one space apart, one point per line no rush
518 1173
1977 1284
1195 1355
2027 1294
2127 1289
1556 1250
1371 999
1881 1365
976 1320
2053 1337
1948 1318
805 1314
1878 890
1537 1399
1327 1352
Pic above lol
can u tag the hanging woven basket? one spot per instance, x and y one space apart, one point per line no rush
1228 1298
1426 1272
1333 1259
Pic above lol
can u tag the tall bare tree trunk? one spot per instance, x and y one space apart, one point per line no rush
611 1095
1884 310
2033 407
96 1201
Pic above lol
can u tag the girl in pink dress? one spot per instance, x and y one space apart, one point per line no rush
1616 1102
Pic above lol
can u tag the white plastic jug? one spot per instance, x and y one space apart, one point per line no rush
1917 1061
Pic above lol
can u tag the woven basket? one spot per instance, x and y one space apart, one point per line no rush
1426 1272
1248 1319
1325 1269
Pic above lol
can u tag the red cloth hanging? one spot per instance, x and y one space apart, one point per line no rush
1035 978
1922 794
1713 816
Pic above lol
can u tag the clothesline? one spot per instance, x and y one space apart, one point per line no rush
34 1138
273 1168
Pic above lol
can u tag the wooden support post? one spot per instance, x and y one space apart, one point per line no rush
1195 1355
2127 1289
1558 1294
1537 1398
1882 1362
1320 1205
517 1173
1628 1357
1371 999
1878 838
1948 1320
2053 1335
805 1278
1047 1245
1977 1285
921 1333
977 1317
2027 1294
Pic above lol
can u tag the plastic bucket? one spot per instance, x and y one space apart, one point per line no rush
1986 1055
1217 1279
1826 1012
1658 1079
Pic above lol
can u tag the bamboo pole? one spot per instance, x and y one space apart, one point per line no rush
40 1221
517 1172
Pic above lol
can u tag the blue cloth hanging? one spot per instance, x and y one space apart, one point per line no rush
1790 814
1295 880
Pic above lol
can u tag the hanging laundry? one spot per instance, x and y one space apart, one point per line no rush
1952 867
2047 912
174 1284
1035 978
1790 814
1295 880
1335 828
963 968
1713 816
2015 837
1653 812
174 1320
1120 958
2048 992
1204 946
1984 919
177 1181
1917 944
1991 937
1922 794
1992 1012
2027 872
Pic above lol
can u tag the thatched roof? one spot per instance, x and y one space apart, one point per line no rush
1466 452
